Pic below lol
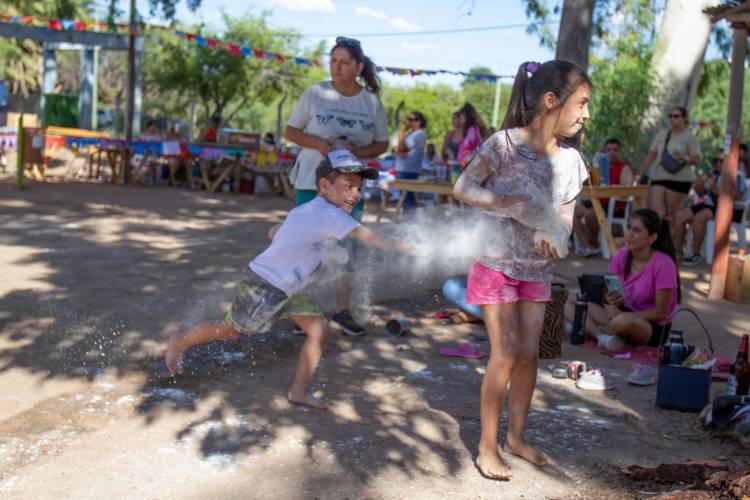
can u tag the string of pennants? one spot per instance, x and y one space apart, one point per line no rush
234 49
241 50
66 24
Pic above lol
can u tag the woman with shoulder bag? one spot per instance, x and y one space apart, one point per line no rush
672 159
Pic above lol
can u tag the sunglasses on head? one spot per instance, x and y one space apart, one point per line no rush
347 41
718 160
673 115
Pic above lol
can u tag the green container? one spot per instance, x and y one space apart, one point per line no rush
61 110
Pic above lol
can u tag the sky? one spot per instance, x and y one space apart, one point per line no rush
500 50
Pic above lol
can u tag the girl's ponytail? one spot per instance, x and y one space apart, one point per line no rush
370 76
517 114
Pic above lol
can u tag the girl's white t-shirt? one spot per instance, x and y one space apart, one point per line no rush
557 180
323 112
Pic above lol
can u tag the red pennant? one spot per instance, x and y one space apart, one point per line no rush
234 49
211 42
27 19
279 58
54 24
190 36
258 53
80 26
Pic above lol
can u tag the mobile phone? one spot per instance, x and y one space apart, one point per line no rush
613 284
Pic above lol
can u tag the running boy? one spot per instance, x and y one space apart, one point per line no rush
278 276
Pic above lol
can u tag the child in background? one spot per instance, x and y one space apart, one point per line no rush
278 277
512 280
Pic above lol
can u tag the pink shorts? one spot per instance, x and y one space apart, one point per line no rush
487 286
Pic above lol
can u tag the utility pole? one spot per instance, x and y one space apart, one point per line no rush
130 111
496 106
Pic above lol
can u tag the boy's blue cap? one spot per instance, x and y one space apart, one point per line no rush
344 161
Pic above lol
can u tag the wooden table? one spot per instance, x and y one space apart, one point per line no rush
442 189
596 193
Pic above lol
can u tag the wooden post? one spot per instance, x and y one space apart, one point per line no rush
729 168
20 146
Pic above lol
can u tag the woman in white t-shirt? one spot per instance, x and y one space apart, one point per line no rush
336 114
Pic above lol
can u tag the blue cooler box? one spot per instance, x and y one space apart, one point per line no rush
679 388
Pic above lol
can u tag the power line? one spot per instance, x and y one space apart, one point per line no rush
431 32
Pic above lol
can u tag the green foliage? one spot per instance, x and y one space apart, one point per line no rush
224 84
436 102
622 88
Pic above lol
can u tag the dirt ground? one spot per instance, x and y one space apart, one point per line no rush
93 277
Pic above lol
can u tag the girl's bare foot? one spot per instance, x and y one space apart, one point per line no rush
173 356
527 452
307 399
492 466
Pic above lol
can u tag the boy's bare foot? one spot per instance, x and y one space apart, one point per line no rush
492 466
173 356
307 399
527 452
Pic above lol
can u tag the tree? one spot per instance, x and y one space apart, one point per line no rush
574 36
678 57
224 84
481 94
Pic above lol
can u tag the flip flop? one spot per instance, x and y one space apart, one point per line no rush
467 351
440 315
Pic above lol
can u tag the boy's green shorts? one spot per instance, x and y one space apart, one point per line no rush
257 302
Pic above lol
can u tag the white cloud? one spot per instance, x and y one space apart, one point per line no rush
403 24
399 23
304 5
368 12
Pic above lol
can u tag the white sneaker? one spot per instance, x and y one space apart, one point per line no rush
592 380
612 343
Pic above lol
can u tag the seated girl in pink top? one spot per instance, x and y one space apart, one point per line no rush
647 269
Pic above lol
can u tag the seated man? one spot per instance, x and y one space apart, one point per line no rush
698 214
587 235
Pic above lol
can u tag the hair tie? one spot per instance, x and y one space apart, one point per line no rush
532 67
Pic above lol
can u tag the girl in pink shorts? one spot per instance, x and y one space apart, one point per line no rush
524 170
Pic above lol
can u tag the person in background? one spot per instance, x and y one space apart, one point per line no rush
410 152
670 190
742 167
699 214
346 110
647 268
620 174
453 139
430 153
474 134
269 140
152 133
212 133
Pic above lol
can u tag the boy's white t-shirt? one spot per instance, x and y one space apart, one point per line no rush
304 239
324 113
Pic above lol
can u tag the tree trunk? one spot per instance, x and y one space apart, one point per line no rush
574 36
678 58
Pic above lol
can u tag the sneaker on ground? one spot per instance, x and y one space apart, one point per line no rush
343 321
612 343
592 380
693 260
642 375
